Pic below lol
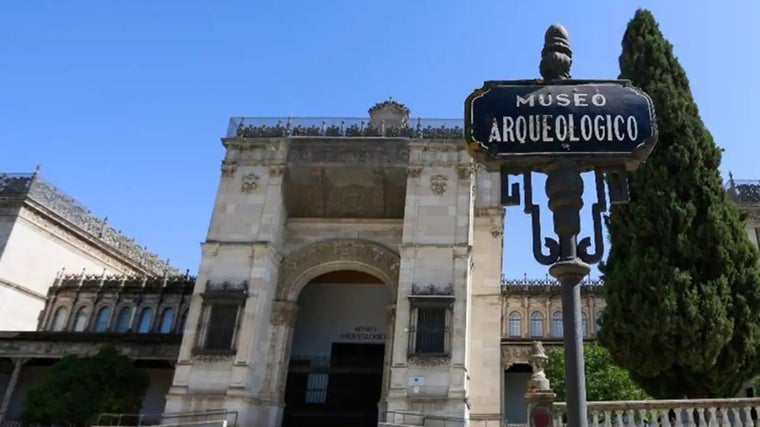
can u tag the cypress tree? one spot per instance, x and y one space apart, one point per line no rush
682 279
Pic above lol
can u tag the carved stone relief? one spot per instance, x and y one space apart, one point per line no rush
250 183
428 361
511 354
414 171
465 171
213 358
228 169
438 184
378 258
276 171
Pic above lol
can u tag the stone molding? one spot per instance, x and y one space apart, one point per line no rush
213 358
57 231
330 255
368 153
284 313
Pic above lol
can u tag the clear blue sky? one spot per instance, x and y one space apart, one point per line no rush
123 103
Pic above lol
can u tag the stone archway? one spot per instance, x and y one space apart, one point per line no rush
302 266
325 256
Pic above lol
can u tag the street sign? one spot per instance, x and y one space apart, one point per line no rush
526 122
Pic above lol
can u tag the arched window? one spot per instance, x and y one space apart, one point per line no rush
146 319
515 324
167 317
598 321
59 319
536 324
182 321
80 320
124 321
101 322
584 325
557 324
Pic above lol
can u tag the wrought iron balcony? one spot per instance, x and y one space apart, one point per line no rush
417 128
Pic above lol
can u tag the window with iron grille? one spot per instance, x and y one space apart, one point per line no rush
429 329
222 322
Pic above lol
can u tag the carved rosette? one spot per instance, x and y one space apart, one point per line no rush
438 184
249 183
429 361
284 313
378 258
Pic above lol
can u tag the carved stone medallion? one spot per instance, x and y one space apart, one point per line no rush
438 184
250 183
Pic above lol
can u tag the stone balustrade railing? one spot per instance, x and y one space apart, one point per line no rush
739 412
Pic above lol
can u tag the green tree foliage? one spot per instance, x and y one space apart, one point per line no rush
604 380
78 389
682 281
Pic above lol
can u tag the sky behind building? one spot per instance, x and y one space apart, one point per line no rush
123 103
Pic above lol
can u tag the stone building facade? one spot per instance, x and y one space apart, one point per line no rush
42 230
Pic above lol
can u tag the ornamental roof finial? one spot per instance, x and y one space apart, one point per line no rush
556 56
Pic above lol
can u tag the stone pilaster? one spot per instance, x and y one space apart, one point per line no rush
484 328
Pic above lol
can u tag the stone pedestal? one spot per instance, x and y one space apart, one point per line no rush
539 397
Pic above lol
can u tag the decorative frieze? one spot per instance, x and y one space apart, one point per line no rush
249 183
433 290
381 259
389 153
438 184
429 360
414 171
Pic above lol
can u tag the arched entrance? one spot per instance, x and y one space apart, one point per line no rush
339 355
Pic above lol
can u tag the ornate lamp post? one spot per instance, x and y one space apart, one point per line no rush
563 127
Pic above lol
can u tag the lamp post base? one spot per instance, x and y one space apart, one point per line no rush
570 273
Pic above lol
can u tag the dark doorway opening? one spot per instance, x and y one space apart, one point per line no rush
340 392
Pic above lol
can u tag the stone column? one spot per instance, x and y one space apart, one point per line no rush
17 364
539 397
391 317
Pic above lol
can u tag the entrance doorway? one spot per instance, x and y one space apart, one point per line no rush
336 367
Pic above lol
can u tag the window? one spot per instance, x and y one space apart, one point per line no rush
167 317
584 325
101 322
431 330
598 321
124 320
536 324
429 327
515 324
557 325
221 327
59 319
182 322
80 320
146 319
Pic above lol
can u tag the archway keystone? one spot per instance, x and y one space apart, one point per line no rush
321 257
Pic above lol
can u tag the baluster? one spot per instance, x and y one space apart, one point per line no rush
738 417
701 420
607 418
681 422
619 417
642 417
557 418
724 411
748 416
713 417
594 418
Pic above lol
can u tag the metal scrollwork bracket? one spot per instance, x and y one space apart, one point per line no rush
617 183
510 194
535 215
597 209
